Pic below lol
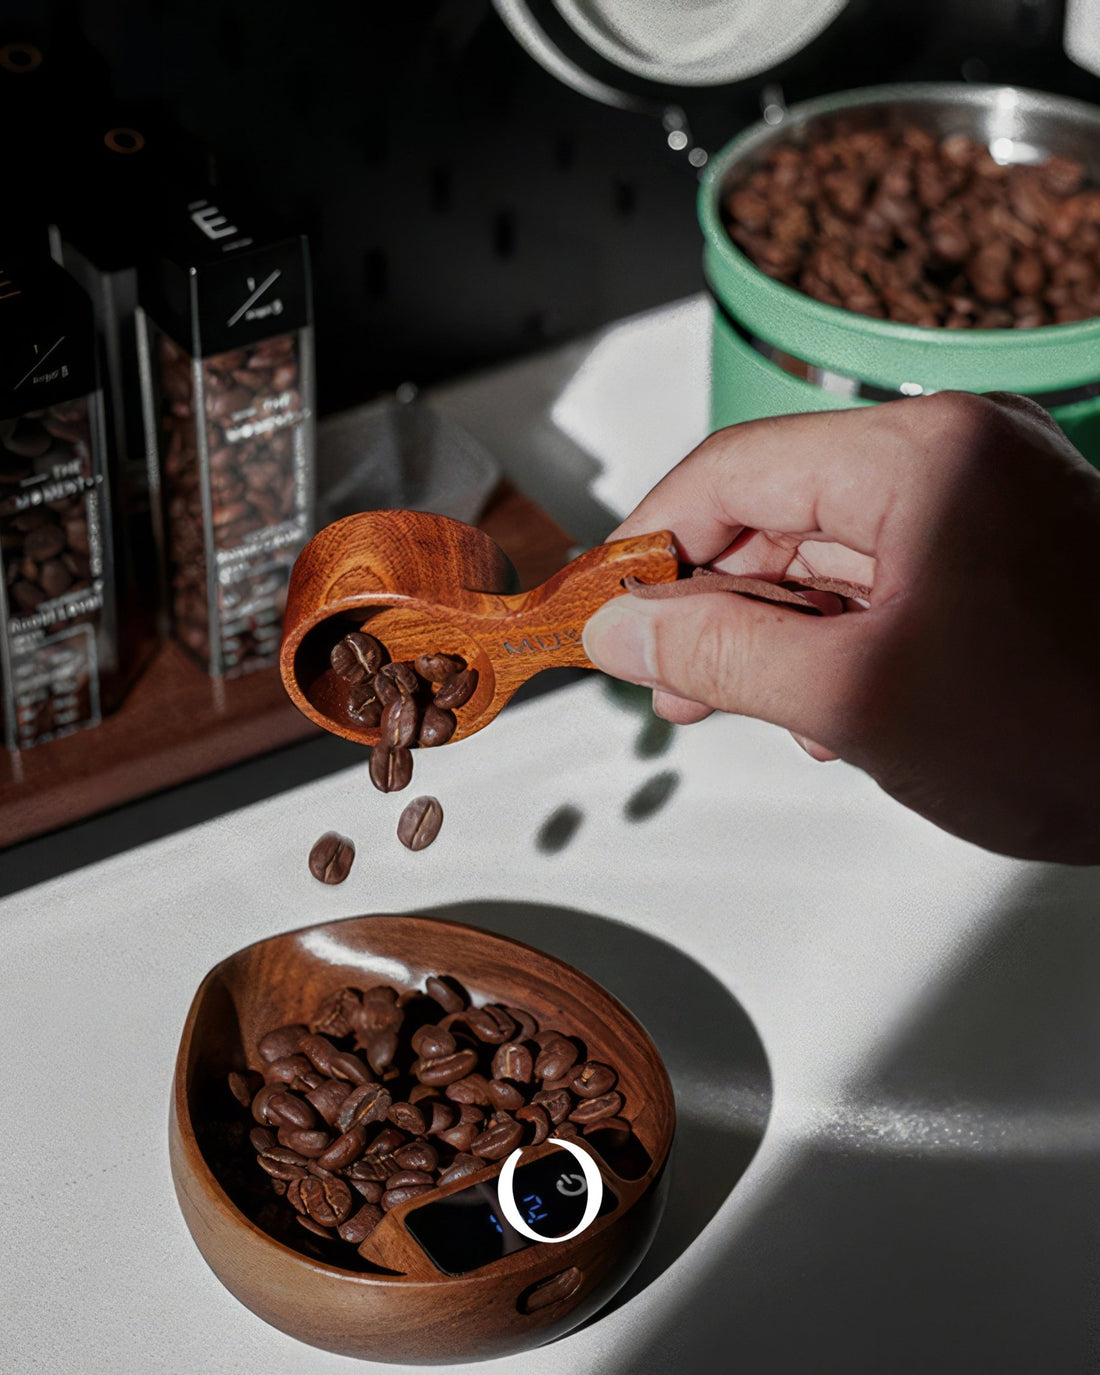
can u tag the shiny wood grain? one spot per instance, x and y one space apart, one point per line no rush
422 583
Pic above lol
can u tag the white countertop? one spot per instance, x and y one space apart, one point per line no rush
925 1193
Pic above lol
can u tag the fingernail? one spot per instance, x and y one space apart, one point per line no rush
619 639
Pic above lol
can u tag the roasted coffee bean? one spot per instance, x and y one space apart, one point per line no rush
282 1163
357 656
557 1103
308 1142
319 1050
505 1096
393 1198
417 1155
262 1100
284 1041
334 1016
400 723
314 1227
244 1085
331 858
364 705
461 1136
408 1117
327 1201
377 1166
419 823
403 676
445 993
390 770
389 1139
361 1224
473 1088
513 1061
380 1049
329 1098
556 1056
364 1104
262 1139
436 727
500 1138
345 1065
490 1023
461 1166
370 1189
400 1179
290 1070
379 1010
385 689
593 1079
471 1112
444 1115
286 1109
535 1117
346 1149
294 1193
419 1092
592 1109
457 690
526 1026
446 1069
437 667
432 1042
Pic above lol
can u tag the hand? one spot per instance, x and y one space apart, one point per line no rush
969 688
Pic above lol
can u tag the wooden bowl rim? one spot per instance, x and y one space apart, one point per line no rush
185 1131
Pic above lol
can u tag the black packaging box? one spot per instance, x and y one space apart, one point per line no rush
56 600
229 357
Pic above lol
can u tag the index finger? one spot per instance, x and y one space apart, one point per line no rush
828 475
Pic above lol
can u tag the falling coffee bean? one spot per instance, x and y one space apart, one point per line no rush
331 858
390 770
419 823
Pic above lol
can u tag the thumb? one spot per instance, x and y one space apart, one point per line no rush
729 653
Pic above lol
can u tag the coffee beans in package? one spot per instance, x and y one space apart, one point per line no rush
229 348
56 598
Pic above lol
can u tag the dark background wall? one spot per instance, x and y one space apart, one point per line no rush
463 207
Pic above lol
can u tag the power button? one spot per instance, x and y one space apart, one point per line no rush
561 1286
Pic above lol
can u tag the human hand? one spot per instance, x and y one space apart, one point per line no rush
969 688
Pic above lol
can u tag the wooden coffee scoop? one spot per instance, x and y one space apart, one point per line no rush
423 584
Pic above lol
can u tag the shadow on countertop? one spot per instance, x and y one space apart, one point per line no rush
947 1217
715 1059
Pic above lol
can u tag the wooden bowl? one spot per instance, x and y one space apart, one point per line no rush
400 1307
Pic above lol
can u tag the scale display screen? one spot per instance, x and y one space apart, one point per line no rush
468 1229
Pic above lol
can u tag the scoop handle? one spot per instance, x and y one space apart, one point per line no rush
539 629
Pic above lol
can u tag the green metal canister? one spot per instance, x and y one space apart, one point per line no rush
776 350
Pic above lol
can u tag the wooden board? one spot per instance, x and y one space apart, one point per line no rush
178 724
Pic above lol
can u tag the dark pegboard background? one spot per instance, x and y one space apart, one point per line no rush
463 207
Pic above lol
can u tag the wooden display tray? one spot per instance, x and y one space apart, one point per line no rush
178 724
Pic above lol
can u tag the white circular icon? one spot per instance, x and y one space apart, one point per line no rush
593 1181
